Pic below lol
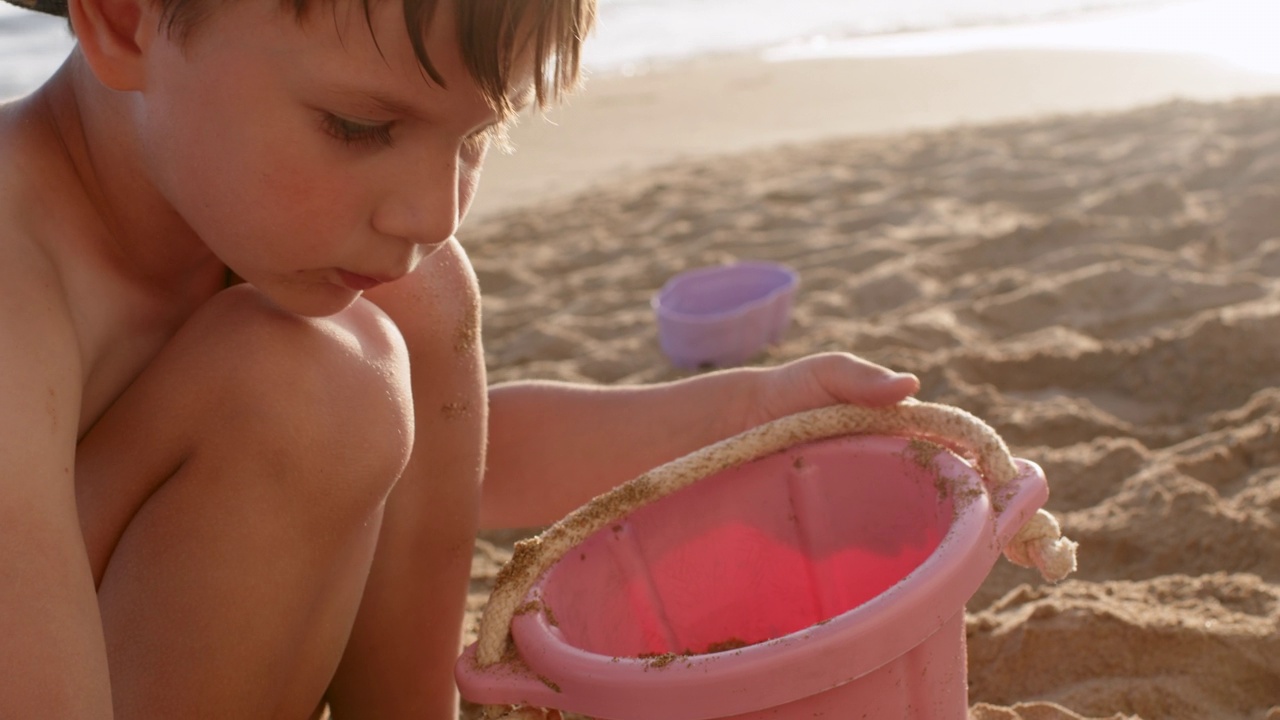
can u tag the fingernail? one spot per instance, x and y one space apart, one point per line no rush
900 377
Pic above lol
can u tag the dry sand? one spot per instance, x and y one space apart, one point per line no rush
1104 289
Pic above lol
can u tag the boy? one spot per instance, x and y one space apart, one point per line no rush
249 501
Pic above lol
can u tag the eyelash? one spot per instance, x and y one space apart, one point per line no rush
358 134
484 137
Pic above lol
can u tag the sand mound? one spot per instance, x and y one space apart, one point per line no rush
1104 290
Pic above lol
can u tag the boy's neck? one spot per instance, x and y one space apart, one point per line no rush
152 243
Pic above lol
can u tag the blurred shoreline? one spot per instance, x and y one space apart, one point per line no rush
616 126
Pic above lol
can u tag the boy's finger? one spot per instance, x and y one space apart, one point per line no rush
889 390
854 380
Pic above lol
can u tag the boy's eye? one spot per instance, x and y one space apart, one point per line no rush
356 133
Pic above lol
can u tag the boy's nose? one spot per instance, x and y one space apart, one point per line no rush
421 206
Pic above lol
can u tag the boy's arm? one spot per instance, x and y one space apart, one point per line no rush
52 656
553 446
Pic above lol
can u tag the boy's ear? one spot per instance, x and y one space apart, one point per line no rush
114 36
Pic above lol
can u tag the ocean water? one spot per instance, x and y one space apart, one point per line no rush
634 34
31 47
1240 34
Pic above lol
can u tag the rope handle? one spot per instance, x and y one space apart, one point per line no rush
1038 544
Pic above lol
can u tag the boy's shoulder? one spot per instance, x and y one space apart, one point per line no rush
33 299
30 203
34 165
32 176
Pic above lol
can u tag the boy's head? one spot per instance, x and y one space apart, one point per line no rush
494 36
316 148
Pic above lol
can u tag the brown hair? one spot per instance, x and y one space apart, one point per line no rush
493 35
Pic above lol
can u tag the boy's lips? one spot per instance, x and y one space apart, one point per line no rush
359 282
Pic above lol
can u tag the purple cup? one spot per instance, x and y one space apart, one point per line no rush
721 316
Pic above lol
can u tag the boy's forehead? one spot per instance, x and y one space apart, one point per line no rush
482 61
345 41
372 56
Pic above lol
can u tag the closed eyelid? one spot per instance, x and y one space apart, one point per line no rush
354 132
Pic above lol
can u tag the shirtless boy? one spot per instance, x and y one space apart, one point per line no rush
247 500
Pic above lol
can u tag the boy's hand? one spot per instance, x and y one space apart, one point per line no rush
826 379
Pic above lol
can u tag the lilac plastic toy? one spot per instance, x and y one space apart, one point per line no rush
828 580
723 315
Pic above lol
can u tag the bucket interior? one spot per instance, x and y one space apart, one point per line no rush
755 552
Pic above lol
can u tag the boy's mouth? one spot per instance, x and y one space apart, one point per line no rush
358 282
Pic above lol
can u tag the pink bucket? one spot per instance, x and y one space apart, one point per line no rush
828 579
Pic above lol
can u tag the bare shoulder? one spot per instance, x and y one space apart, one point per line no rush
35 212
39 357
30 164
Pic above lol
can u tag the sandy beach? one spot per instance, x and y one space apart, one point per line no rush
1083 250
